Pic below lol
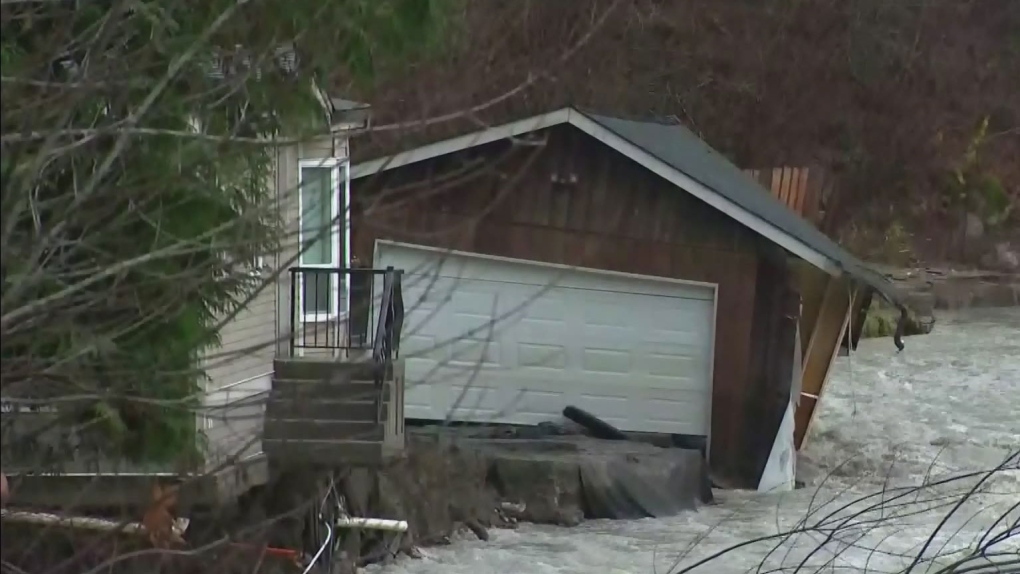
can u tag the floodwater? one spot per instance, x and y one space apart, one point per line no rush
898 445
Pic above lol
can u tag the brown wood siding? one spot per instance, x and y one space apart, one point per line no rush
774 335
575 201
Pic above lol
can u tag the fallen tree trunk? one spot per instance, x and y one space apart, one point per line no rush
85 522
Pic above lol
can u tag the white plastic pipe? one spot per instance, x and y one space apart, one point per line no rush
372 524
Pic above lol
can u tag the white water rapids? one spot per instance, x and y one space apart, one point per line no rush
947 406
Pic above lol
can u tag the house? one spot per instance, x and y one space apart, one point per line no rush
301 327
300 313
620 266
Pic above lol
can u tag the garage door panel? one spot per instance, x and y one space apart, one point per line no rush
475 301
665 363
475 352
656 410
464 267
605 312
673 384
474 400
541 356
548 309
420 346
674 409
606 361
424 293
552 333
601 337
500 401
420 320
634 351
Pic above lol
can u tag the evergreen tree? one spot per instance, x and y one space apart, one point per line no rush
135 160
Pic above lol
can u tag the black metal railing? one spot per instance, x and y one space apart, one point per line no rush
319 319
318 310
386 342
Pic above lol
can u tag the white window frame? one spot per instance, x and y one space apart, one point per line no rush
340 182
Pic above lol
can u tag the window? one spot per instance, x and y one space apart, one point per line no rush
322 207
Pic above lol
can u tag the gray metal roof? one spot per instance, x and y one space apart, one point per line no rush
684 151
677 154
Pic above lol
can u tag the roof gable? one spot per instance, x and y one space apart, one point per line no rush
676 154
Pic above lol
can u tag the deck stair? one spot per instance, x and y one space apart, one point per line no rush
346 409
334 413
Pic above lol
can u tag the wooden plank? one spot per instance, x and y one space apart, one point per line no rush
786 181
812 194
824 369
325 453
799 188
350 411
325 390
822 349
812 283
284 429
323 370
800 194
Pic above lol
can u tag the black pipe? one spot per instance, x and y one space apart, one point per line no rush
901 326
597 427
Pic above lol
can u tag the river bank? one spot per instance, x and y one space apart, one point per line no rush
466 481
930 291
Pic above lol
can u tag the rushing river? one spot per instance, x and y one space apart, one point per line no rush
940 415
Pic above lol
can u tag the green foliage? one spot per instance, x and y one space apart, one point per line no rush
973 188
126 234
891 244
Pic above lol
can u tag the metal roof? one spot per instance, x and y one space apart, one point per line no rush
675 153
680 148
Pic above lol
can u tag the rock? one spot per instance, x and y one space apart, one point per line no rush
921 302
642 485
881 322
436 488
925 290
446 485
548 487
477 529
1002 258
973 227
515 510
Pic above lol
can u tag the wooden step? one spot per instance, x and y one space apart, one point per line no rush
305 389
304 429
328 452
323 370
325 410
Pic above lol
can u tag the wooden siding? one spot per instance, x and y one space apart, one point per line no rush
239 370
247 343
575 201
810 192
233 425
774 336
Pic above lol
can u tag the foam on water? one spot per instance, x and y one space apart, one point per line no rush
945 407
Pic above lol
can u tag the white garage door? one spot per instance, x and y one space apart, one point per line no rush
513 341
